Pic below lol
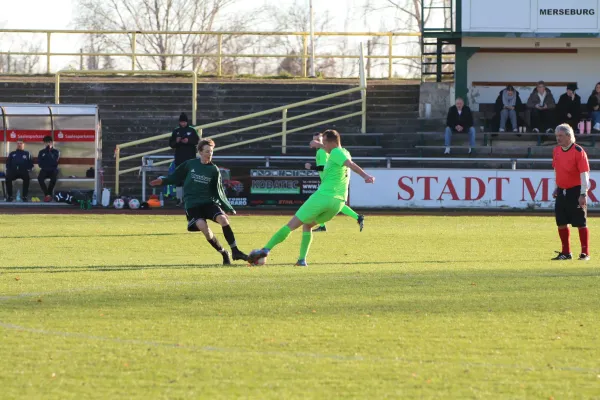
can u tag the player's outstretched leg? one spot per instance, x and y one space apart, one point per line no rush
214 242
584 238
305 244
230 237
358 217
280 236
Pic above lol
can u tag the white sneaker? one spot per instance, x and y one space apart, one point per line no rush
470 150
500 130
515 130
597 126
447 151
550 130
536 130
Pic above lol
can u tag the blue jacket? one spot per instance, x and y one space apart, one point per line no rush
48 159
19 160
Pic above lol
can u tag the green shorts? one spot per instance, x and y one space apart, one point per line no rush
319 209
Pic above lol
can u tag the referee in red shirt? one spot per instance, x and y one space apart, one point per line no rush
570 163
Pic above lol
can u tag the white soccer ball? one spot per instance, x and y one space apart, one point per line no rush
134 204
119 204
260 261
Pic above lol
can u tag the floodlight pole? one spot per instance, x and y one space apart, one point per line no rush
312 41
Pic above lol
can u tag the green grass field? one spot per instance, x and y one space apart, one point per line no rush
135 307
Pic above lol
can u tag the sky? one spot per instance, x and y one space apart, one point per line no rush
59 14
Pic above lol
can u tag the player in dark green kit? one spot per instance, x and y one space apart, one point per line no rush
203 197
321 160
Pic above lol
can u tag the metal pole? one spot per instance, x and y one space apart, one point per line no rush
304 55
48 35
219 60
390 51
57 88
312 41
194 97
284 132
133 47
117 167
144 178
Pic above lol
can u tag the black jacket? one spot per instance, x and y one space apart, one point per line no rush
19 160
567 106
184 151
499 105
48 159
465 119
592 102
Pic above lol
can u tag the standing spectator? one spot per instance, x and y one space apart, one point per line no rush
18 165
459 119
569 107
184 140
48 162
541 105
508 105
594 107
572 169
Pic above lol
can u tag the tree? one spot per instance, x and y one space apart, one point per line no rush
161 15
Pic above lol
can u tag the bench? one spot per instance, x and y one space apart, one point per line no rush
3 181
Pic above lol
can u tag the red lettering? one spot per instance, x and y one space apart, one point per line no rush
468 190
591 195
427 185
451 190
544 184
406 188
498 186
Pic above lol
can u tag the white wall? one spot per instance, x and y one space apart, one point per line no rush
581 68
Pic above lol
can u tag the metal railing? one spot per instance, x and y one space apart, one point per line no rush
133 38
362 88
117 72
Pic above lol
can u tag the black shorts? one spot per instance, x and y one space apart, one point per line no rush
205 212
567 210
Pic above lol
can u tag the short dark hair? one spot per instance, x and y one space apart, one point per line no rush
331 135
510 88
48 139
541 83
205 142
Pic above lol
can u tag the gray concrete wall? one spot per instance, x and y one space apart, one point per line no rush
439 95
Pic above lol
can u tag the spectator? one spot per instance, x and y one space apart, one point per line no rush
48 162
508 104
594 107
569 107
541 105
184 140
459 120
18 165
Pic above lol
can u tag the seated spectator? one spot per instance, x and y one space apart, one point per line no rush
541 105
18 166
459 119
594 107
48 162
508 104
568 109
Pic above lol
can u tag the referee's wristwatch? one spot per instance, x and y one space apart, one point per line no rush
583 194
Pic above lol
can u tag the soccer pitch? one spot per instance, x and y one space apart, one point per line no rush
120 306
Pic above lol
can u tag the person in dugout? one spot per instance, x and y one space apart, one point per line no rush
18 165
48 162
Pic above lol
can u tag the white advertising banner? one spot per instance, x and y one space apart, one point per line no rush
460 188
557 16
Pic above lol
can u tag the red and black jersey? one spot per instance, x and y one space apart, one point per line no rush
569 164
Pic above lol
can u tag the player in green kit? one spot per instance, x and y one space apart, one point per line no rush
321 161
203 196
322 205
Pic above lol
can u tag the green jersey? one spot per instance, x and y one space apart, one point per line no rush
321 160
335 178
201 184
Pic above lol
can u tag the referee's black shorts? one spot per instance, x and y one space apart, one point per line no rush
204 212
567 210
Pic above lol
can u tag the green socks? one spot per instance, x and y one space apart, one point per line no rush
305 245
349 212
278 237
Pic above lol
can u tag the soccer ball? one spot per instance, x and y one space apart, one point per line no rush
119 204
260 261
134 204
